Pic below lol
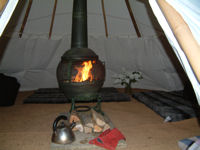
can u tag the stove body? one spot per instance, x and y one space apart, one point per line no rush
80 73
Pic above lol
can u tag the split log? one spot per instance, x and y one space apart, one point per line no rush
88 130
74 118
87 121
78 127
97 128
90 121
98 118
106 127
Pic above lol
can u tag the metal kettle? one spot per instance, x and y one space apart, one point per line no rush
62 131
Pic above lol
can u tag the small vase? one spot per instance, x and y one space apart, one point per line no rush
128 90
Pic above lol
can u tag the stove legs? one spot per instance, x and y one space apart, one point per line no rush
83 108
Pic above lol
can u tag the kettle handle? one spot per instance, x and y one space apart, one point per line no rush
61 117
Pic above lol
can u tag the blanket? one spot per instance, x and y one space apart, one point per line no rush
172 106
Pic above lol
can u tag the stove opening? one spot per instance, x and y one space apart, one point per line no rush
84 72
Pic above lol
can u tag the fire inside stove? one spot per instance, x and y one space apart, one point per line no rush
84 72
81 79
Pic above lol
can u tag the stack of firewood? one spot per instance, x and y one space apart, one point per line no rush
89 122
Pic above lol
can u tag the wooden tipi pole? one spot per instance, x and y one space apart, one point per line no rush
133 18
104 17
25 18
52 19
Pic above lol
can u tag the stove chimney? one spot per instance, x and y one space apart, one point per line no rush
79 25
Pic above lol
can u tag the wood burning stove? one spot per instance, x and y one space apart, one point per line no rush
80 73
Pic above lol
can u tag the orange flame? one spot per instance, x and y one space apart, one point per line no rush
84 73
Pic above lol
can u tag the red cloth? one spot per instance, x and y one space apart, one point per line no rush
108 139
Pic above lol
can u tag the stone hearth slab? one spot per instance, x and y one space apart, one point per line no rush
82 140
81 143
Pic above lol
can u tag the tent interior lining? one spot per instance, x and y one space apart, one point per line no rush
33 58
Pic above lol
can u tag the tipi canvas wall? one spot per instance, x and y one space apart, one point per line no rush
33 58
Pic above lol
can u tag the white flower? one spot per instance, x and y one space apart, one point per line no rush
137 77
117 81
130 74
126 78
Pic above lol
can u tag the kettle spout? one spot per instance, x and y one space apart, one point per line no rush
72 125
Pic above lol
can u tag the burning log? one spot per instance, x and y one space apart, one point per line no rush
84 72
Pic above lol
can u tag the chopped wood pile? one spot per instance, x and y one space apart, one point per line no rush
89 122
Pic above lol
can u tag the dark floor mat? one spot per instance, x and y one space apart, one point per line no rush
53 95
172 106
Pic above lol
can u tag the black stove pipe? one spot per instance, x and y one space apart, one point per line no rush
79 25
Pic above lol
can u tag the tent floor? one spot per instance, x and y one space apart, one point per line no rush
29 126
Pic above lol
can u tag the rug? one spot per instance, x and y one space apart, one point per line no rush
192 143
54 95
172 106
